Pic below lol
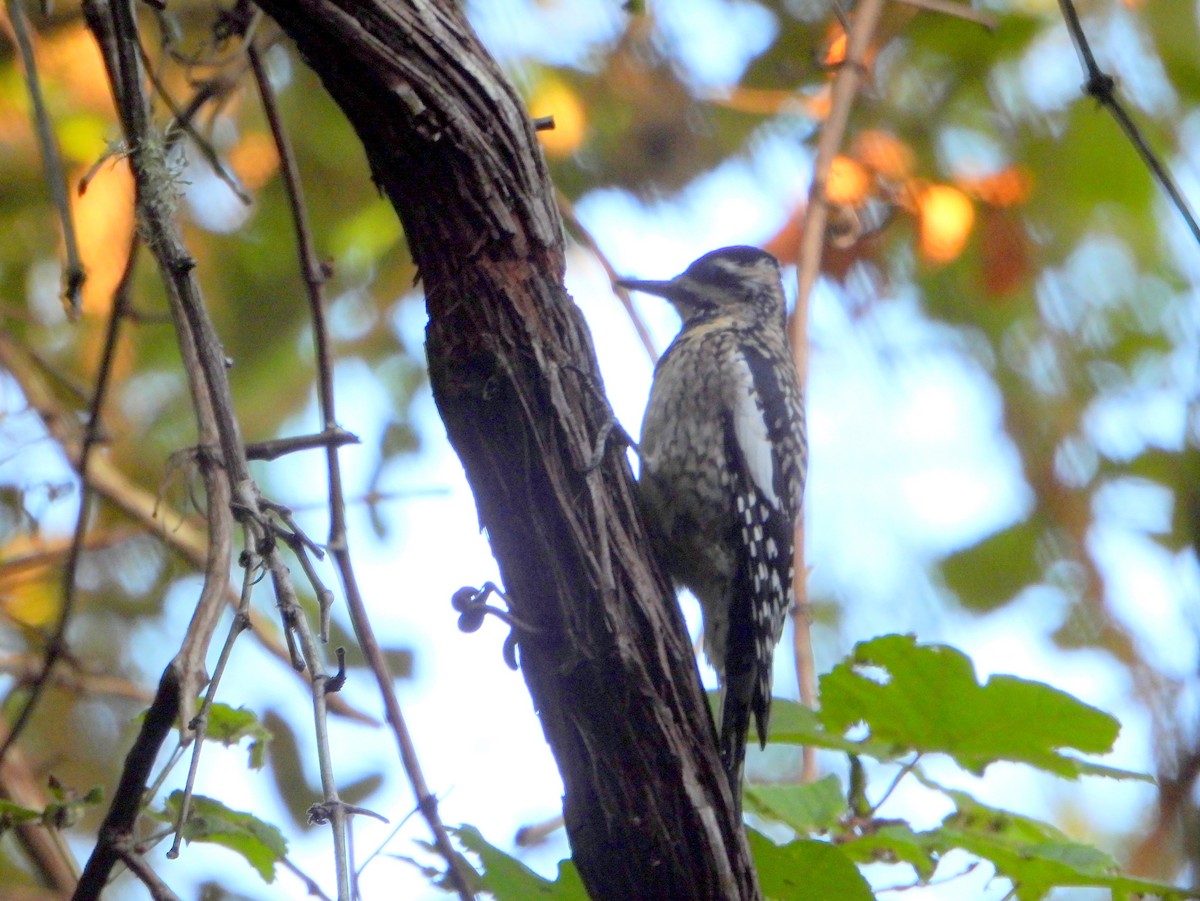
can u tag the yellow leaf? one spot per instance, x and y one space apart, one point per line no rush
554 98
946 218
29 591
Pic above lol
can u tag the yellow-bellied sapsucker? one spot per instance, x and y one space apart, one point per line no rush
723 460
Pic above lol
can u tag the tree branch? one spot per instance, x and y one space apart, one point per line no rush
610 667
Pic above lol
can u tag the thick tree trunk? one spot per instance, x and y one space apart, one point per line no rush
609 667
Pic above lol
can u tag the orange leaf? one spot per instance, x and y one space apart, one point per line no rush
835 260
254 159
884 152
104 222
836 53
1008 187
848 182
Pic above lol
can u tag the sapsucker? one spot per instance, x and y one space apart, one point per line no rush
723 460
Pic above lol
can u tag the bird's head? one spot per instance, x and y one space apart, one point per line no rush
731 280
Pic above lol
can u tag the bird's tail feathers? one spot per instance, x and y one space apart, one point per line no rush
736 705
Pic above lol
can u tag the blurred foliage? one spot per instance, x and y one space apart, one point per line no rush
1014 214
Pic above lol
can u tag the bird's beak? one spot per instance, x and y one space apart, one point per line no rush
659 289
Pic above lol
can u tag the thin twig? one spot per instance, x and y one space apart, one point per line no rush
812 242
296 623
113 24
533 834
183 120
28 668
1102 86
56 646
314 275
56 178
846 82
50 552
199 723
310 884
159 891
277 447
955 10
904 770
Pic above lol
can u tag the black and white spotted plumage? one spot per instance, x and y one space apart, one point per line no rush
723 457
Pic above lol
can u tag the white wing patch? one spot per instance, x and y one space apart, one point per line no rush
750 430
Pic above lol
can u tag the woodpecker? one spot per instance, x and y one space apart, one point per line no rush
723 461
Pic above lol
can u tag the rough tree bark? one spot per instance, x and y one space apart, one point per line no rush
514 374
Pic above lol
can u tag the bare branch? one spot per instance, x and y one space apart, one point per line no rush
175 530
159 891
278 447
1103 87
198 724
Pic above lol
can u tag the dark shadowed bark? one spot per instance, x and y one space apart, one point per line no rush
609 664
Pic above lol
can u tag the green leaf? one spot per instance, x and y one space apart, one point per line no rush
230 726
992 572
795 724
890 841
507 878
1115 197
815 807
926 699
67 808
360 240
14 814
1034 855
806 871
261 844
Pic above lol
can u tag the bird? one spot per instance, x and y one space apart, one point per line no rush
724 457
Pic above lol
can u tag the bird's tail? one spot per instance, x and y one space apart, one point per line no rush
736 704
